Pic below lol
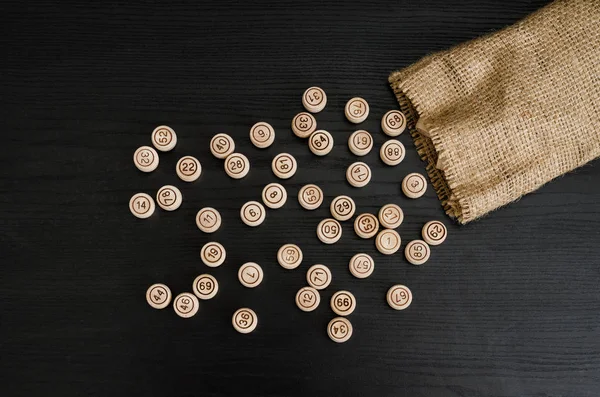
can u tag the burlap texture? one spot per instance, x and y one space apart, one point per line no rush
501 115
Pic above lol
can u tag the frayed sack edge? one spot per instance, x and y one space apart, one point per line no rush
428 148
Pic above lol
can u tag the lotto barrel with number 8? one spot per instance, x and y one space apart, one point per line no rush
274 195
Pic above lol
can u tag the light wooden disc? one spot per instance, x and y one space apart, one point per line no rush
188 168
284 165
289 256
164 138
318 276
366 225
205 286
320 142
360 142
274 195
329 231
304 124
399 297
213 254
342 208
393 123
253 213
208 220
244 320
388 241
142 205
343 303
414 185
262 135
310 196
434 232
417 252
186 305
169 198
237 165
250 274
308 299
222 145
358 174
361 265
314 99
391 216
339 329
158 296
145 159
392 152
356 110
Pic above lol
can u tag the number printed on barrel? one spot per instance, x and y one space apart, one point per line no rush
208 220
237 165
356 110
145 159
314 99
186 305
343 303
358 174
388 241
262 135
244 320
222 145
284 165
304 124
342 208
274 195
213 254
339 329
164 138
250 274
188 168
360 142
310 197
205 286
434 232
414 185
289 256
361 265
392 152
393 123
399 297
320 142
417 252
308 299
391 216
318 276
158 296
329 231
141 205
169 198
253 213
366 225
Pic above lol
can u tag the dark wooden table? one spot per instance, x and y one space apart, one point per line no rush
507 306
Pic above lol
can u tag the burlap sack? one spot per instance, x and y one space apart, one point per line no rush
498 117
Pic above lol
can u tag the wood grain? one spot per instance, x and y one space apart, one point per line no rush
507 306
